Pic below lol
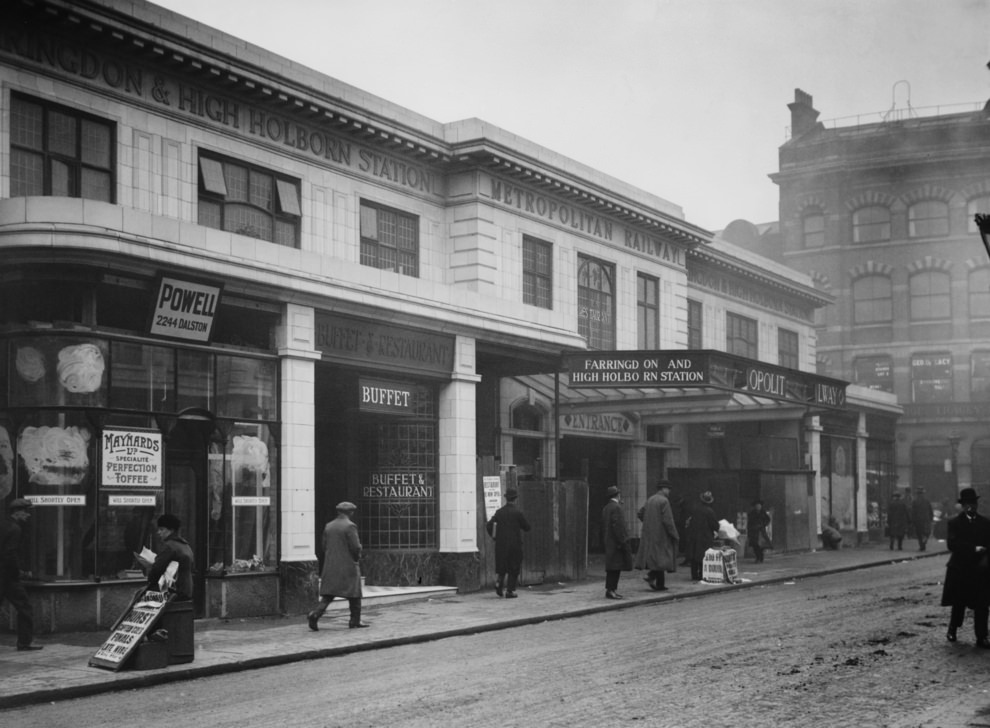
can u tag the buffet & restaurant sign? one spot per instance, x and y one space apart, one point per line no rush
700 368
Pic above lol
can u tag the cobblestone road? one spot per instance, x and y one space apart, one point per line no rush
864 648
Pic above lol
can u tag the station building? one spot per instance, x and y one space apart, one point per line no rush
241 291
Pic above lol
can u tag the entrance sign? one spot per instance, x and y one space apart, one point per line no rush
700 368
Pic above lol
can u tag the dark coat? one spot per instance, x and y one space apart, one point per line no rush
922 516
10 549
341 574
897 518
967 575
618 556
174 548
756 528
658 539
508 525
702 527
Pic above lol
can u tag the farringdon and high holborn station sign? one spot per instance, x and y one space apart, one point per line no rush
700 368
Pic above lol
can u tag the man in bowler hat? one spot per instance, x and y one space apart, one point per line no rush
506 526
11 587
967 574
618 556
341 573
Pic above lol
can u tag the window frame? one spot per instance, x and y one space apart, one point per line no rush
929 305
882 368
813 238
880 312
376 216
926 385
537 283
647 312
928 225
873 230
75 164
974 206
788 348
742 335
598 331
695 324
215 196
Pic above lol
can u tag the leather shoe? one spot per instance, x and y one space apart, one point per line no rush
29 648
355 625
612 595
314 622
498 589
951 634
983 644
511 595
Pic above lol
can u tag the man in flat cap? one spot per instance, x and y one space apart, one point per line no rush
340 575
506 527
11 587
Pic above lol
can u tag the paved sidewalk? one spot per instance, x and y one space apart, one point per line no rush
398 617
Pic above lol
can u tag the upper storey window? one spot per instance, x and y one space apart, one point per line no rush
741 336
247 200
59 152
648 311
537 273
813 229
871 224
695 322
596 303
930 296
389 240
872 301
928 219
979 205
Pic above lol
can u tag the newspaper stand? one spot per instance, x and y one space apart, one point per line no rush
719 566
137 621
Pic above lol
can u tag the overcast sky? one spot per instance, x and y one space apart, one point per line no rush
686 99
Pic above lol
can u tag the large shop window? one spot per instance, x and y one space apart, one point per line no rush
875 372
62 396
398 508
931 377
59 152
248 200
389 240
596 303
537 273
648 311
741 336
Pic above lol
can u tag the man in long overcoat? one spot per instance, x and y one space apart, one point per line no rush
897 520
702 528
11 587
658 540
967 574
506 526
922 516
618 557
341 573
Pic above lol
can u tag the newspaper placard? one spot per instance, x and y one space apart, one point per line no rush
493 494
139 619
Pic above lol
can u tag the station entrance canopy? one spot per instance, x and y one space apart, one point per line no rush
702 369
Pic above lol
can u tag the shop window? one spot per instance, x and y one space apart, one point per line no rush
248 200
596 303
648 311
243 510
871 224
50 371
931 377
142 377
537 272
813 229
874 372
56 463
527 441
246 388
979 293
787 349
195 380
872 301
979 382
741 336
50 297
930 296
389 240
695 340
59 152
928 219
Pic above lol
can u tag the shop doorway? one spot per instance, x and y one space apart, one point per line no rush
187 495
596 462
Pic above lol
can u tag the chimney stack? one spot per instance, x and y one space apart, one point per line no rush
804 117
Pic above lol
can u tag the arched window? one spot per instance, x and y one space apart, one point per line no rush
977 205
872 303
596 303
871 224
930 296
928 219
813 229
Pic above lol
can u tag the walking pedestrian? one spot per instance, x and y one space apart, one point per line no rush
922 515
702 528
658 540
897 521
11 587
757 521
967 574
506 526
618 557
340 575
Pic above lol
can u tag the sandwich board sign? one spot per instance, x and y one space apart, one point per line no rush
139 619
